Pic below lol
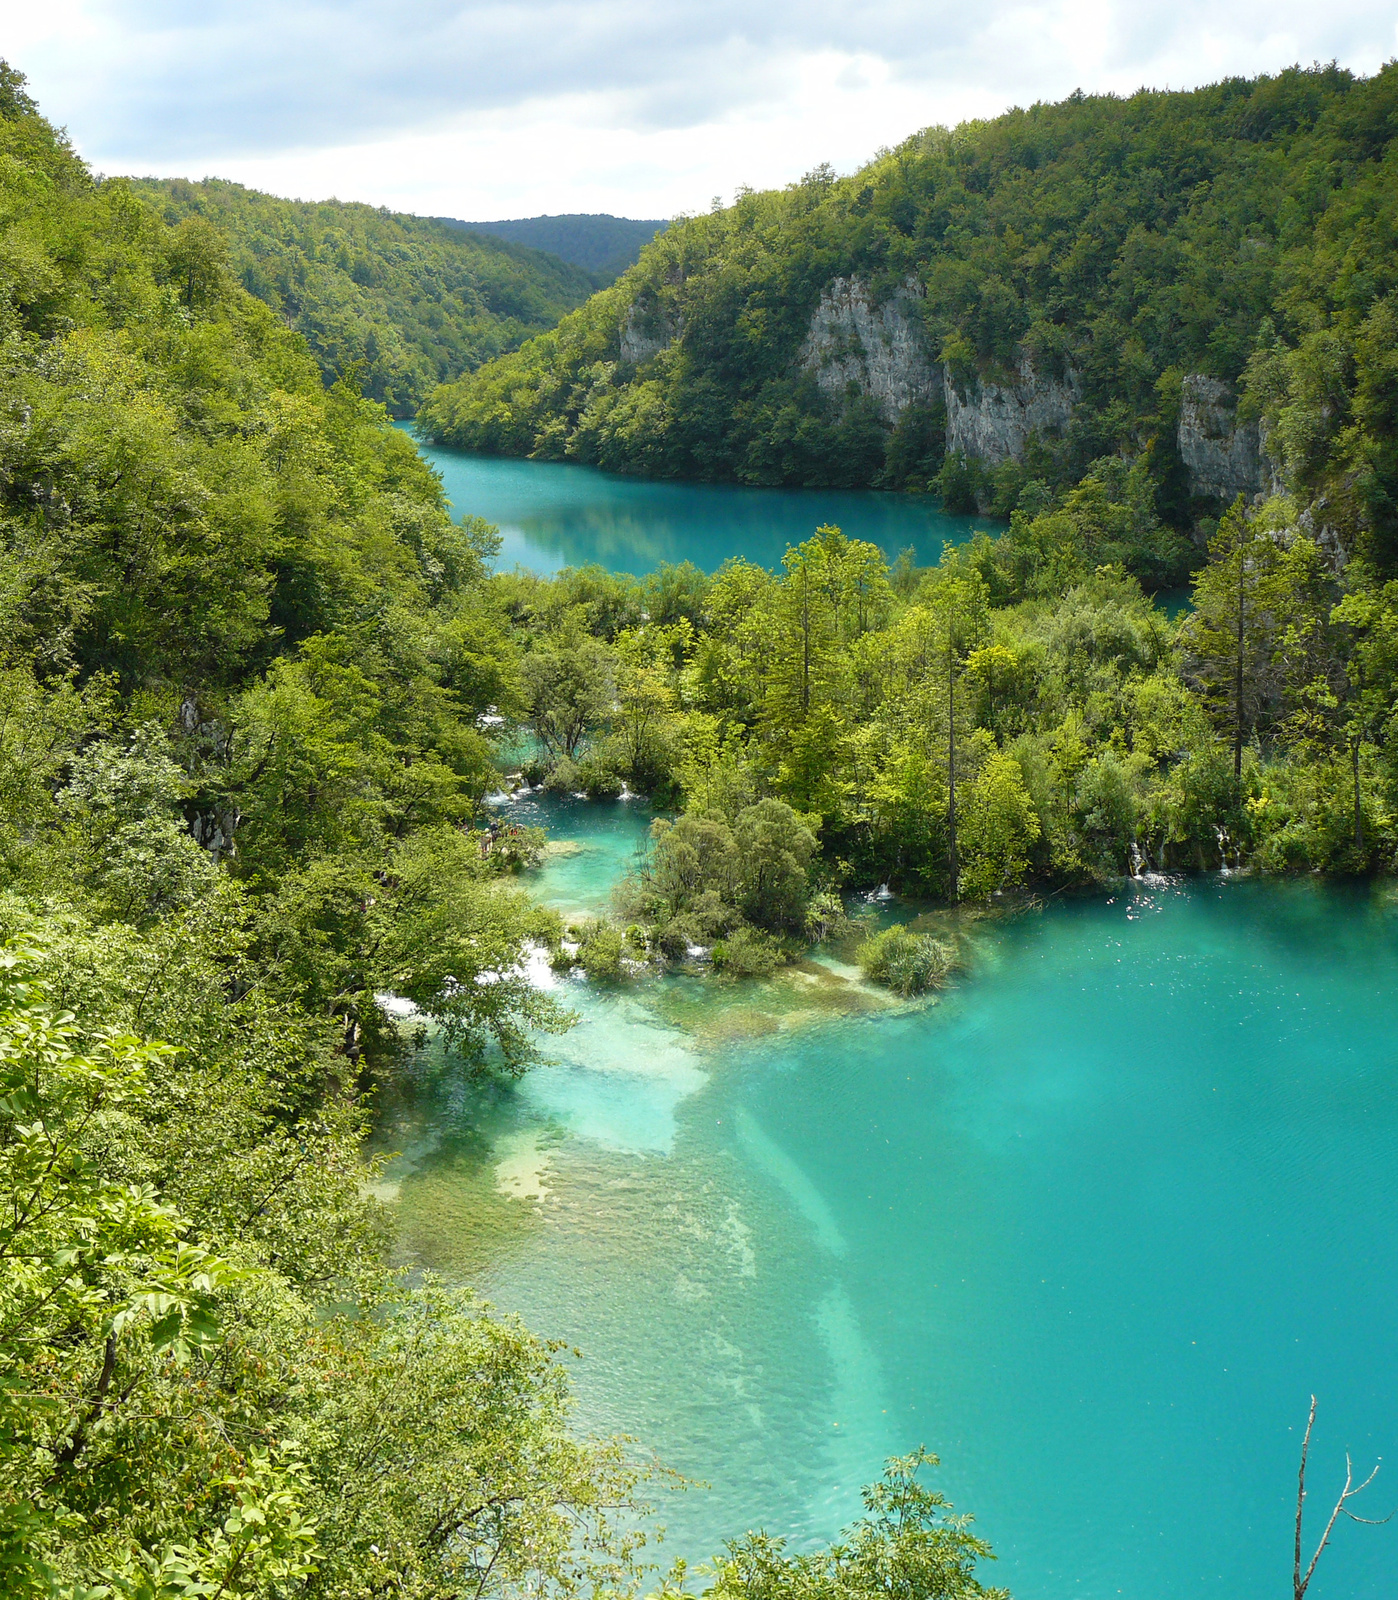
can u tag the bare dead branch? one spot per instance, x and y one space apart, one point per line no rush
1300 1582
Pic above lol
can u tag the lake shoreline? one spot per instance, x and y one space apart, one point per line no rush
757 1228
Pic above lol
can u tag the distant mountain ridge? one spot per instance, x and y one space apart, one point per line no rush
599 243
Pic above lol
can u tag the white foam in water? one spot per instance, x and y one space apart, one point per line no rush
537 969
617 1077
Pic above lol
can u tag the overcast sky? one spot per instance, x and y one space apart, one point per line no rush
504 108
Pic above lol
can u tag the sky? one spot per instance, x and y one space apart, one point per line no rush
484 109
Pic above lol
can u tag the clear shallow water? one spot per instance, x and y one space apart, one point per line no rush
1093 1228
555 514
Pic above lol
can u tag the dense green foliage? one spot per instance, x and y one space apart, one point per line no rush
1020 715
415 302
246 667
601 244
242 670
1244 230
907 1543
208 1382
236 612
904 961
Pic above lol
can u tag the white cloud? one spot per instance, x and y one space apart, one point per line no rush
482 108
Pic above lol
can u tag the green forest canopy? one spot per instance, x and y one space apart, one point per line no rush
210 1381
1021 714
1243 231
416 301
245 657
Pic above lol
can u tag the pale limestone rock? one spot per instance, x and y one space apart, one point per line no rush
992 422
647 330
1313 523
882 349
1224 457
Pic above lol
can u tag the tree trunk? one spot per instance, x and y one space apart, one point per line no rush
1358 811
951 773
1238 684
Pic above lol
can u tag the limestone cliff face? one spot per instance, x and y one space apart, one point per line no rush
1315 523
1224 457
882 349
992 422
646 331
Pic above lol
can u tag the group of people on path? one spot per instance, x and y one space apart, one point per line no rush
495 831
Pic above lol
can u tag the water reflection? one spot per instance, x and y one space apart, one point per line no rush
553 515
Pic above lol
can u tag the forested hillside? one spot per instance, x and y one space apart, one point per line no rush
247 661
417 301
1011 300
252 679
241 668
601 244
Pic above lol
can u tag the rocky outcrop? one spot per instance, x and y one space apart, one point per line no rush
881 348
1314 523
645 332
992 422
215 831
1224 457
206 740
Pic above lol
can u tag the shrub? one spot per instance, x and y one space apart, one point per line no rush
601 952
826 917
709 919
906 962
563 777
747 952
999 828
598 778
774 846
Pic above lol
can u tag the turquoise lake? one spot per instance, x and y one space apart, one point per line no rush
556 514
1093 1227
